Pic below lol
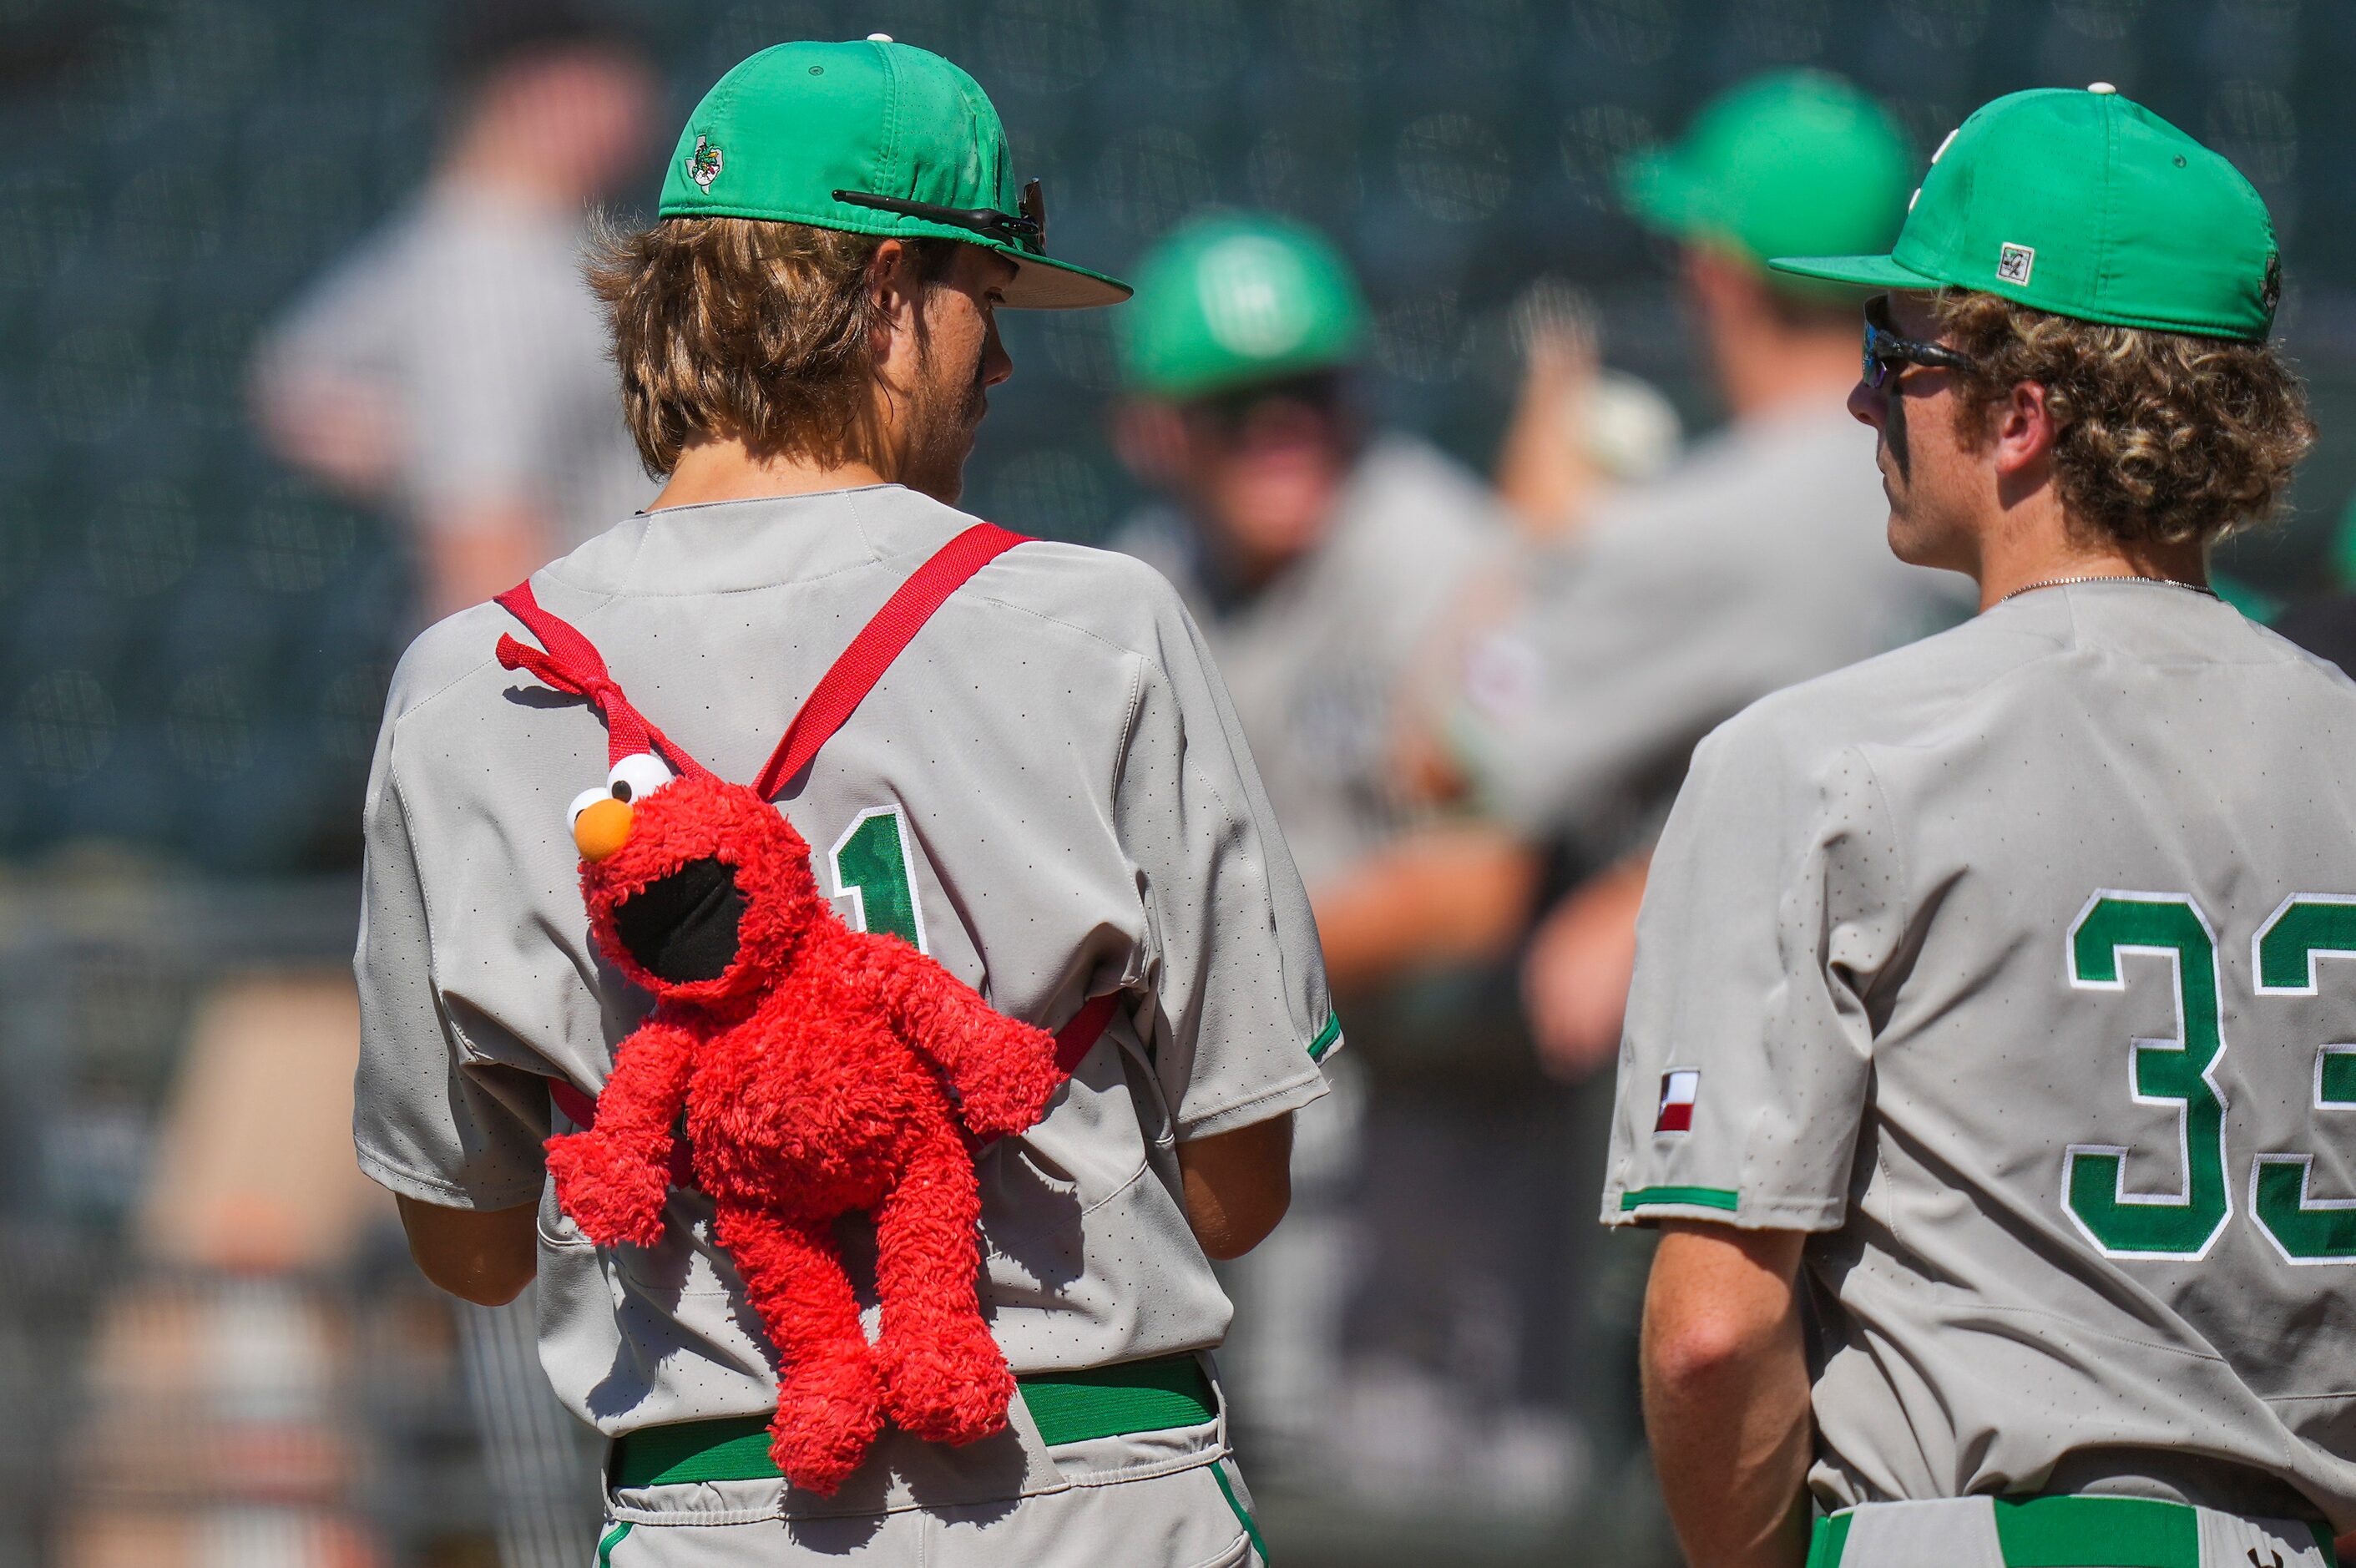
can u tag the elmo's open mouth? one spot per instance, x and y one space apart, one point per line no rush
682 927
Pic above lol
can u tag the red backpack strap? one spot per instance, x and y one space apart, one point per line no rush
572 664
840 691
1075 1039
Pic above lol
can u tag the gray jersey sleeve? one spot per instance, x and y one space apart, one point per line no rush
1641 648
1240 1016
1771 913
431 1119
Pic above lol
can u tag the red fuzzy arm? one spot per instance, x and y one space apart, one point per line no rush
1004 1071
613 1178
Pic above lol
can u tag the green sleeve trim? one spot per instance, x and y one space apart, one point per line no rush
1228 1492
612 1539
1325 1038
1699 1196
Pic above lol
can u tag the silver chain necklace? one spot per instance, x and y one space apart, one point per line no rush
2111 577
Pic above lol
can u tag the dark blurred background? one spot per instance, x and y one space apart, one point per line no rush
195 639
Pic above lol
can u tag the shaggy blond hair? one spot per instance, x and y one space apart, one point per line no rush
735 326
2165 437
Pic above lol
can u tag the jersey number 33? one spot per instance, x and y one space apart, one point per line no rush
2182 1072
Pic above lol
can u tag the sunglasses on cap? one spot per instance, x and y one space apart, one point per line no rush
1887 355
1026 226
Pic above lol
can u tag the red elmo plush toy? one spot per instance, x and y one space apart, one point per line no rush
822 1070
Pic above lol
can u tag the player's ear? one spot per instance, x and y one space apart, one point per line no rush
2022 429
896 285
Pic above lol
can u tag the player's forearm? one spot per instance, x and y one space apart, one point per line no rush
1726 1395
1445 895
485 1256
1238 1185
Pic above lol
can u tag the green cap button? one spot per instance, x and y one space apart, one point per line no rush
870 137
2087 205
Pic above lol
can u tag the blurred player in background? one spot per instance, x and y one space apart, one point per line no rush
452 368
1980 1066
1319 554
1654 611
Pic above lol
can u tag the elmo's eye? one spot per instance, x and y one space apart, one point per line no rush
638 776
581 802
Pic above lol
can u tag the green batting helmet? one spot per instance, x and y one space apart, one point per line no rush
1229 301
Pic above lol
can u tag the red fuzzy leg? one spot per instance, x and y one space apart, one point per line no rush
614 1178
1004 1071
945 1378
829 1397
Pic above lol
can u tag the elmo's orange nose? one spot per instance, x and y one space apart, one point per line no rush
602 827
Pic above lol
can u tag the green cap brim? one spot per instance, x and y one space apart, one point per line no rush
1864 271
1042 283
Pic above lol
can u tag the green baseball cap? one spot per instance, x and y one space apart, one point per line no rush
1228 301
1793 160
2088 205
873 137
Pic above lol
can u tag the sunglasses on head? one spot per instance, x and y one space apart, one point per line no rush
1888 355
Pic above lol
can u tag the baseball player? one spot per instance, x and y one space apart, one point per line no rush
1318 552
1663 609
1981 1065
1046 791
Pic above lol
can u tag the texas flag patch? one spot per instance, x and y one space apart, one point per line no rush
1678 1088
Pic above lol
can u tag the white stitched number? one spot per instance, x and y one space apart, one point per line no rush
2286 956
870 867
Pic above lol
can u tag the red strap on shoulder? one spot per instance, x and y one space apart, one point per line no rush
572 664
840 691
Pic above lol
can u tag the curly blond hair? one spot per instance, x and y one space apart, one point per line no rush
2165 437
734 326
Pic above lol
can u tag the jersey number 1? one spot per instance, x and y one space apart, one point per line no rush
2182 1072
870 867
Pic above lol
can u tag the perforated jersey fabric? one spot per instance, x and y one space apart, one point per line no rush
1057 767
2014 966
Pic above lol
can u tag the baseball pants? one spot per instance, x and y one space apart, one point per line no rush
1085 1476
2082 1532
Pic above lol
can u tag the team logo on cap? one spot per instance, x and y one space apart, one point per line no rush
2270 292
2015 262
1680 1086
703 164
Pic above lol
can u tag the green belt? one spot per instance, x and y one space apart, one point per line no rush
2074 1533
1068 1407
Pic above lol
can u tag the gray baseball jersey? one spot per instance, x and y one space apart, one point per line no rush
1760 561
2014 964
1317 658
1048 792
